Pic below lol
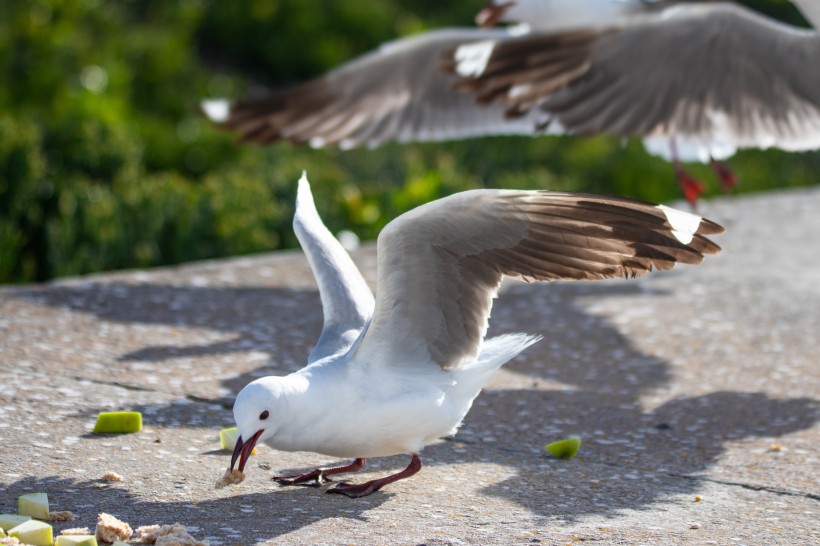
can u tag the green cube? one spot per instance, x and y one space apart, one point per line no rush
7 521
564 449
119 422
76 540
34 505
36 533
228 437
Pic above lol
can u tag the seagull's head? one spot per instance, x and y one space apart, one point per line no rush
257 415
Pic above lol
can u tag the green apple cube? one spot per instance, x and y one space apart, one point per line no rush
566 448
7 521
119 422
36 533
34 505
76 540
228 437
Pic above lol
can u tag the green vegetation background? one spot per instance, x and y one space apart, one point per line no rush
106 162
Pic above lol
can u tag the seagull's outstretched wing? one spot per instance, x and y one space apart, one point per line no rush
440 265
347 302
396 93
717 74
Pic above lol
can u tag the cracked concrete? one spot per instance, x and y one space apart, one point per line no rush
694 392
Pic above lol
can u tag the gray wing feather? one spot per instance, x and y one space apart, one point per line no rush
440 265
347 302
394 93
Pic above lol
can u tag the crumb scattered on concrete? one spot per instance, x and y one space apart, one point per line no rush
61 516
776 448
112 477
231 477
9 541
77 531
698 498
110 529
168 535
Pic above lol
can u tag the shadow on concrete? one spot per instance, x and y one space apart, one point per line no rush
244 518
631 458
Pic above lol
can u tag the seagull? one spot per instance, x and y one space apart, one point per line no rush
393 374
697 80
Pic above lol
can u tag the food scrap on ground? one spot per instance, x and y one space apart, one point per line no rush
33 532
76 531
231 477
64 515
112 477
168 535
118 422
564 449
110 529
34 505
76 540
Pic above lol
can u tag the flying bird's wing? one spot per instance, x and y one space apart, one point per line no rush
347 302
440 265
394 93
716 74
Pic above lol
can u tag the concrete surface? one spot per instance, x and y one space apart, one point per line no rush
694 392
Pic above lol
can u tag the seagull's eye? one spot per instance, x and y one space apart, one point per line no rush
264 415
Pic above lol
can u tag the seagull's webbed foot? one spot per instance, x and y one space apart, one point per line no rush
354 491
726 176
319 476
691 186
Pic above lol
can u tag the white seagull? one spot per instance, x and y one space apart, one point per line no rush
697 80
392 375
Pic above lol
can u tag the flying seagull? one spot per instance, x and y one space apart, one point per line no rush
697 80
392 375
398 93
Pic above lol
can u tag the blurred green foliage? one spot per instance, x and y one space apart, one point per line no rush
106 162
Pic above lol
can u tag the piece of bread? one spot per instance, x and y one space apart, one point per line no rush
168 535
231 477
61 516
76 531
110 529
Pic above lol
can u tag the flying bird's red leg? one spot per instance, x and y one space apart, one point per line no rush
726 176
319 476
355 490
691 186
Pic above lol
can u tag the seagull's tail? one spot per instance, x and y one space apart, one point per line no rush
470 379
497 351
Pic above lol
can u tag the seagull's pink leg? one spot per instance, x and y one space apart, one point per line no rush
726 176
319 476
363 489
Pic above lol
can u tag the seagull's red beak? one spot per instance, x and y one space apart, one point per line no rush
242 450
492 14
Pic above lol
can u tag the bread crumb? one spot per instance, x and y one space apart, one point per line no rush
694 525
112 477
168 535
231 477
76 531
776 448
110 529
9 541
698 498
61 516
